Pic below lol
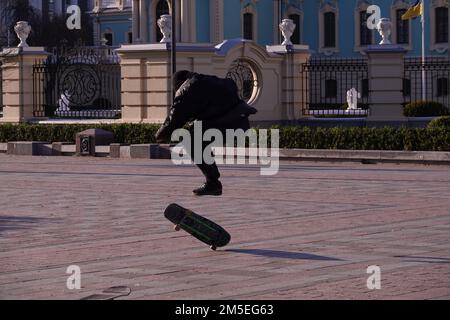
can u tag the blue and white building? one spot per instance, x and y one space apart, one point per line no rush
50 8
334 28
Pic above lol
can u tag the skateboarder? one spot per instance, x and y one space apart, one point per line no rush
216 103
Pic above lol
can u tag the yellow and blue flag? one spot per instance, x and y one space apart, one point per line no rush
415 11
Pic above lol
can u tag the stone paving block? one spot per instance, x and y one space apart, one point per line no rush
27 148
309 232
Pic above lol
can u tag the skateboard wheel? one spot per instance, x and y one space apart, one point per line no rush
213 247
177 227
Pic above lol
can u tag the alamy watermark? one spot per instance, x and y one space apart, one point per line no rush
374 280
375 16
74 280
74 20
231 149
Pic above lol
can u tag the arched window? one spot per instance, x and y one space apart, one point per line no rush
441 24
161 8
329 19
248 26
249 18
328 27
108 36
365 34
402 27
296 39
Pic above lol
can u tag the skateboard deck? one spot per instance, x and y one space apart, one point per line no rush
201 228
110 294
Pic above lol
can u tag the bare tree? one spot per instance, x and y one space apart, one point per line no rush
46 31
13 11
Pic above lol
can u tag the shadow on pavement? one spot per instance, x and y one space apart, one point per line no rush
425 259
283 254
8 223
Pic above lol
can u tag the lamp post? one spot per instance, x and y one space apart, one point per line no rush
174 44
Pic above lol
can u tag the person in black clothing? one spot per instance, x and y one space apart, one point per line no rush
215 102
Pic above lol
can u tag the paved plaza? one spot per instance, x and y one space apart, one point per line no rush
309 232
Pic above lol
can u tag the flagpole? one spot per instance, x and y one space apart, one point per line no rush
424 88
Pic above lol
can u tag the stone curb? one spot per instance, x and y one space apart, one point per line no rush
156 151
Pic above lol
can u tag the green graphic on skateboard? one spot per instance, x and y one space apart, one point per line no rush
201 228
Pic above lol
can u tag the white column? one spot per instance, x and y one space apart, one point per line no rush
135 21
216 21
97 32
143 21
187 25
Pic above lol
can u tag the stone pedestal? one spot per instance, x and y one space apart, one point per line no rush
26 148
146 76
386 72
87 140
295 95
17 83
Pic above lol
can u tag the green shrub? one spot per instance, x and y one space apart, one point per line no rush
435 138
356 138
440 122
123 133
425 109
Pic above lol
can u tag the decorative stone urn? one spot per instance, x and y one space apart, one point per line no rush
22 30
165 24
384 28
287 27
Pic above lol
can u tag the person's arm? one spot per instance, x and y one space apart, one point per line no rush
182 110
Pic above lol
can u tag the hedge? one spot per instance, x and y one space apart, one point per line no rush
440 122
425 109
355 138
124 133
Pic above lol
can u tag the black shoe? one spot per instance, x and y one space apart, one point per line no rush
209 189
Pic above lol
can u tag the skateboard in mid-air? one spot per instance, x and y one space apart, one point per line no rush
203 229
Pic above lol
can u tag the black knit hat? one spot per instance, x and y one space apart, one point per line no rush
180 77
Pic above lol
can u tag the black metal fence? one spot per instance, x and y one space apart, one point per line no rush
78 83
1 91
327 83
437 79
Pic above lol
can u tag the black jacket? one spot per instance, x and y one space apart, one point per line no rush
213 100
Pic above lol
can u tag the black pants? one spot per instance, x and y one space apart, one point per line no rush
210 171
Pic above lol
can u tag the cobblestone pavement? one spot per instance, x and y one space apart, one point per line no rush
309 232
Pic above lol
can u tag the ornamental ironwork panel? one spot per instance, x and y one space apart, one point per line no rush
78 83
245 78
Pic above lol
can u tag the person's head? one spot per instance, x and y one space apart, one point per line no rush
179 78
